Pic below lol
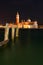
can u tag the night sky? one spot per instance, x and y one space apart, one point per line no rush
27 9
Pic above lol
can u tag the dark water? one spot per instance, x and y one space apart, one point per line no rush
27 49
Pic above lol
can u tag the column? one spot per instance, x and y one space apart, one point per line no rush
17 31
13 31
6 32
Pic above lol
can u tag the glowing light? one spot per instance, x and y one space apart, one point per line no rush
29 20
29 26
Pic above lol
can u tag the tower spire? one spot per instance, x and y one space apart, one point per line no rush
17 13
17 18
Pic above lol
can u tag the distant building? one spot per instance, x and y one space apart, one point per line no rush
26 24
17 18
23 23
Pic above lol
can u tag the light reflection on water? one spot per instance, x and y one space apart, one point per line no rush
25 50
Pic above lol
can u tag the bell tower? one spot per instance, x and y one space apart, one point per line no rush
17 18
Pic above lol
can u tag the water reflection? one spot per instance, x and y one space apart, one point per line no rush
27 49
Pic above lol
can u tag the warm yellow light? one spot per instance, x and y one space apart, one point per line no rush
29 26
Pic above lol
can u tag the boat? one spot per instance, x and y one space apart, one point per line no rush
3 42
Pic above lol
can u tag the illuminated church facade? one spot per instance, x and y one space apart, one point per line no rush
24 24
